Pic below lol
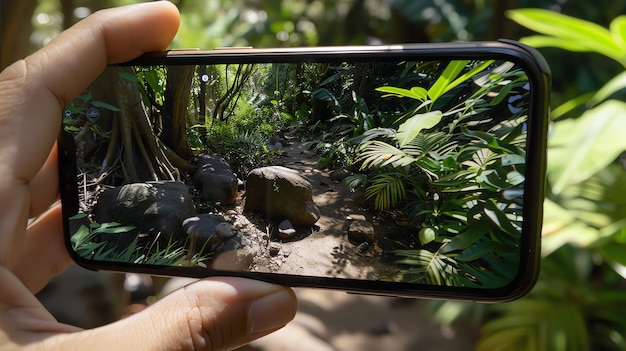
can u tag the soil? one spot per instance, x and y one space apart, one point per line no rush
324 249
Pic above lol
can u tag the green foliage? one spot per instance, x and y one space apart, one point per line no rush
573 34
446 176
86 244
243 150
577 301
567 310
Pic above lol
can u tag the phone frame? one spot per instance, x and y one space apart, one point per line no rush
534 186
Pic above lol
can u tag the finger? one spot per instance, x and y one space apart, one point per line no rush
45 186
211 314
35 90
42 254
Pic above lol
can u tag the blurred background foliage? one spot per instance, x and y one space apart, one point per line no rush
579 300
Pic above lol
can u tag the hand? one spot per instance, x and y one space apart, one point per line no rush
217 313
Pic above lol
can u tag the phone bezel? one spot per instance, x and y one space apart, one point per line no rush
534 187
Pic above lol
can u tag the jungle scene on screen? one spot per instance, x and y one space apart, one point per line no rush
387 170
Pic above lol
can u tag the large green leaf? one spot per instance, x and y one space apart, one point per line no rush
618 30
411 128
544 41
581 147
417 93
444 82
569 32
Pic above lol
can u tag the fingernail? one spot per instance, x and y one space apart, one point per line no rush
271 312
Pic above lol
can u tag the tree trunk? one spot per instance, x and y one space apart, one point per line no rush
178 95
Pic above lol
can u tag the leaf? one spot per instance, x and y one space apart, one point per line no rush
581 147
544 41
379 154
468 237
427 235
614 85
417 93
618 30
570 105
536 324
566 28
387 191
479 250
500 219
443 83
430 268
411 128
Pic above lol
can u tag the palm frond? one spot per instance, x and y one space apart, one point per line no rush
387 190
376 154
429 267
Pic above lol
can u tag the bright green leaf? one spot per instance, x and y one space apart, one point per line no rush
417 93
427 235
618 30
586 34
411 128
614 85
581 147
443 83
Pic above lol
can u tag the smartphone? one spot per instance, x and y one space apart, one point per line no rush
407 170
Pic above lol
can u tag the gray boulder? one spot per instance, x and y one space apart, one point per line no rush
215 180
156 209
280 193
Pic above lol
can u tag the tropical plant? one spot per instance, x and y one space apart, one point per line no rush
576 302
86 243
446 178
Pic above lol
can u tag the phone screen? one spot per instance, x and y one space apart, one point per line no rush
414 172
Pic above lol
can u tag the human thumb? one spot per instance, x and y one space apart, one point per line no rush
211 314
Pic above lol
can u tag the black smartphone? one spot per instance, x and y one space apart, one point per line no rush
407 170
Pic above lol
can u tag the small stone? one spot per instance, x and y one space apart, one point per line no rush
274 249
356 217
286 229
361 231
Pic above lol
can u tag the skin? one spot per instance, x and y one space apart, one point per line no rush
211 314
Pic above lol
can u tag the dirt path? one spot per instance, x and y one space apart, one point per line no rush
325 249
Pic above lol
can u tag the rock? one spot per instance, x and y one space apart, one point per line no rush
286 229
337 176
215 180
274 249
202 233
281 193
361 231
356 217
226 230
157 209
